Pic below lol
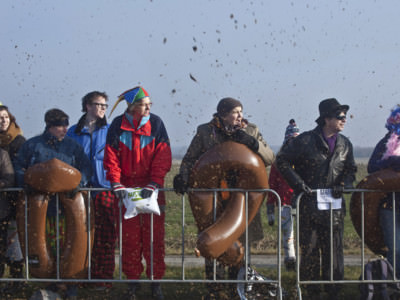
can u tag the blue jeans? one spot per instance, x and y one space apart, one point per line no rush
386 221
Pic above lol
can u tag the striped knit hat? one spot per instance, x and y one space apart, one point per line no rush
131 96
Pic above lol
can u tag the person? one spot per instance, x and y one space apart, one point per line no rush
6 180
137 154
320 159
285 192
227 124
11 139
53 143
386 154
91 132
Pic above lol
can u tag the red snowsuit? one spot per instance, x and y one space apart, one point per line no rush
135 155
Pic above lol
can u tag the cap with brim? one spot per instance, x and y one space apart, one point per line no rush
329 108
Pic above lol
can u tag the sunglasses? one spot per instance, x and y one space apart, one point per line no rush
100 105
341 118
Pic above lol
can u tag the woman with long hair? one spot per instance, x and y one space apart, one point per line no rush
11 139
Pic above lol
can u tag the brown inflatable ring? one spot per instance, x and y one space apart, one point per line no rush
384 180
74 255
219 239
46 176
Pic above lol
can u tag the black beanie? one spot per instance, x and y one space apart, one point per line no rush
56 117
225 105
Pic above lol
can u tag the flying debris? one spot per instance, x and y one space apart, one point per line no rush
194 48
165 40
191 77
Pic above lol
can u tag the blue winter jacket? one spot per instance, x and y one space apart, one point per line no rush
45 147
93 145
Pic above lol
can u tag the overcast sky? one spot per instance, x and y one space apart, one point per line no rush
280 58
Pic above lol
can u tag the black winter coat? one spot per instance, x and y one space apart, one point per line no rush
306 159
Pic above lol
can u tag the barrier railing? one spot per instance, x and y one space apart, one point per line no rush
363 261
182 279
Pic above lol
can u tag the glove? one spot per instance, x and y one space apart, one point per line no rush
148 190
180 184
28 189
71 194
337 191
303 188
271 214
240 136
119 190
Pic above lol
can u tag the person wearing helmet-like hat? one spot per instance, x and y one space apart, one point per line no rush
137 154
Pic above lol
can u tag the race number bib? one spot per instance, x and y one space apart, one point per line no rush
325 200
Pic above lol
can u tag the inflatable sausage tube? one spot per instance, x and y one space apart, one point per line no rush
74 254
219 239
384 180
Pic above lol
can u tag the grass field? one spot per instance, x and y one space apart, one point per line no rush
174 236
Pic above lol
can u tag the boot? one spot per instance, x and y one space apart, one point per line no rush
156 291
13 287
16 268
290 263
132 290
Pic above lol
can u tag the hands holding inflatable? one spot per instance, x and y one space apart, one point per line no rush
240 136
180 184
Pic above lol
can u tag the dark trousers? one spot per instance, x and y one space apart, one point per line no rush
315 245
3 244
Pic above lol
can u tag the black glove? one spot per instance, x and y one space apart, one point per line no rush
337 191
180 184
71 194
148 190
119 190
240 136
303 188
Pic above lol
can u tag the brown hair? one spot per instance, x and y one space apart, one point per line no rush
10 115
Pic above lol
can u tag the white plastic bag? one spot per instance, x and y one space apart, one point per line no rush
135 204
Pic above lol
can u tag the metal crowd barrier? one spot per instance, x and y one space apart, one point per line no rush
363 260
183 278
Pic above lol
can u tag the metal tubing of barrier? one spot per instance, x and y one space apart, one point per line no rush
362 279
183 279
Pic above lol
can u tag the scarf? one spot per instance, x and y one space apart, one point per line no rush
392 146
8 136
228 130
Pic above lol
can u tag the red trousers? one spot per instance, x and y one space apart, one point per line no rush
136 240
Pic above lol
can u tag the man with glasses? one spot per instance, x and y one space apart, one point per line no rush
320 164
91 133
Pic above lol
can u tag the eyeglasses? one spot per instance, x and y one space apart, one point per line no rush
341 118
105 106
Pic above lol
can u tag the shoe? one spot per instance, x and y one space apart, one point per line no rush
132 290
290 263
156 291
